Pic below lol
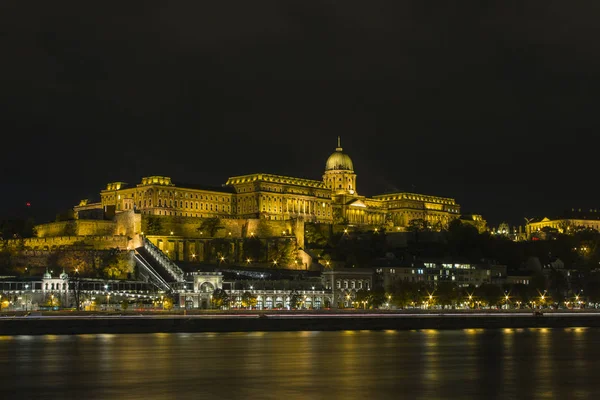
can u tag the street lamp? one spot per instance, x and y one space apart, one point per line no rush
26 289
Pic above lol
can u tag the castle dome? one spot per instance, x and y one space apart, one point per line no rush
339 160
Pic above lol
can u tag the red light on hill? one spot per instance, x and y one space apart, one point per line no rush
28 204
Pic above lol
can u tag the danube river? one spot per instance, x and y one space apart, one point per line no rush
483 364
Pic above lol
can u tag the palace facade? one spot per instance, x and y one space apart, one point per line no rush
567 222
334 199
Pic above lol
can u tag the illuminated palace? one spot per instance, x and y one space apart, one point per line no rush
335 199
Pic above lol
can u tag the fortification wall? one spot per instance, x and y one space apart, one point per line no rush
129 224
80 227
55 243
234 228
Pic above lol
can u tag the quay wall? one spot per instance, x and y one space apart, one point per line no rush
93 325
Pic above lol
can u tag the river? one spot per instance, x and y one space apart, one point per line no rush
460 364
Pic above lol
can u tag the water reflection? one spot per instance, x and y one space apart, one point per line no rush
429 364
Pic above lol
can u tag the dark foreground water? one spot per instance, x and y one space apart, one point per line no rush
482 364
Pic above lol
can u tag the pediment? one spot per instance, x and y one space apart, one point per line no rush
357 203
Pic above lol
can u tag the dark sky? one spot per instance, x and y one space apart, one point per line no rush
493 104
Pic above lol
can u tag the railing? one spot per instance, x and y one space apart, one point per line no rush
148 272
164 261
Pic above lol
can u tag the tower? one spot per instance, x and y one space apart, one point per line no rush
339 173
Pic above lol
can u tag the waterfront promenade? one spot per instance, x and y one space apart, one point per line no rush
87 323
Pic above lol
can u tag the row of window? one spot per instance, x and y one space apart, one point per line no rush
352 284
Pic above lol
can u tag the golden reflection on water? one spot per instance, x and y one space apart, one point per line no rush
428 364
432 357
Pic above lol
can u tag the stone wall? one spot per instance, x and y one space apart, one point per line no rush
129 224
80 227
39 259
54 243
234 228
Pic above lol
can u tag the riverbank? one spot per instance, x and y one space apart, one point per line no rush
97 324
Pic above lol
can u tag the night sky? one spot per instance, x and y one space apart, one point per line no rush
492 104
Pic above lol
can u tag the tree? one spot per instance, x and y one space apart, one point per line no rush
401 292
75 285
253 248
154 225
125 305
447 294
117 264
370 298
220 247
211 226
220 298
490 294
283 252
249 300
167 303
313 236
17 228
295 299
418 225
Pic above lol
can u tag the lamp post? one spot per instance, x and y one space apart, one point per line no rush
26 289
107 296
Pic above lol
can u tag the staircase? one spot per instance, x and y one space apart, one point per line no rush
154 266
